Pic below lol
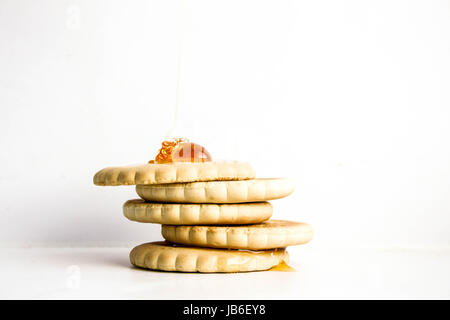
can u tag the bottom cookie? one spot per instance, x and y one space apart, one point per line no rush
166 256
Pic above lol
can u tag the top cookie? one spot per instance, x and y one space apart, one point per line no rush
157 173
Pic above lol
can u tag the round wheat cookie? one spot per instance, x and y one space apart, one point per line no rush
265 235
156 173
197 214
254 190
171 257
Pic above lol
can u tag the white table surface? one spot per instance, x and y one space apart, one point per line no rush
105 273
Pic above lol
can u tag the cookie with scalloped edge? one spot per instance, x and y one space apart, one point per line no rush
157 173
197 214
265 235
171 257
254 190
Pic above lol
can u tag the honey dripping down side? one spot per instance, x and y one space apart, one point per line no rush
282 266
181 150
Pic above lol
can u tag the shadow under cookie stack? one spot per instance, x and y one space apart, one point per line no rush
215 216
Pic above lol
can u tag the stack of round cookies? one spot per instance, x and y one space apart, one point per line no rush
214 216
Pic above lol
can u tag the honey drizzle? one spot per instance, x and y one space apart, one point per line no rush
165 153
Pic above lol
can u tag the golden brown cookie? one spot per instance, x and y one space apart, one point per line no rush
218 191
169 257
197 214
265 235
157 173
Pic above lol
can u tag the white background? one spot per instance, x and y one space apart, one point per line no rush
349 98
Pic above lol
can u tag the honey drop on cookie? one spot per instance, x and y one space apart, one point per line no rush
190 152
181 150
